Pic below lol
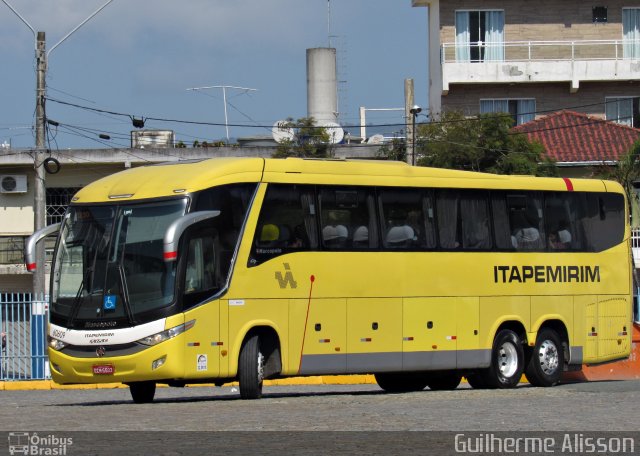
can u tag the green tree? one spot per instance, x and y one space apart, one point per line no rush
485 143
625 171
396 150
309 140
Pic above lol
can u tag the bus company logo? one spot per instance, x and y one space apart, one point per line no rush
100 324
287 279
546 274
34 444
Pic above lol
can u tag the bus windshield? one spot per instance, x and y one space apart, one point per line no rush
109 264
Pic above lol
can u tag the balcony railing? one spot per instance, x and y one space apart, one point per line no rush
519 51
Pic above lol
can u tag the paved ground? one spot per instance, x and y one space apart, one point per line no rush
576 408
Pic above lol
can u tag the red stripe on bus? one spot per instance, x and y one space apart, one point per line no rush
568 183
170 255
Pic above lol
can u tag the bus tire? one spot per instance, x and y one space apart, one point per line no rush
476 380
393 382
445 381
547 360
142 392
251 369
507 361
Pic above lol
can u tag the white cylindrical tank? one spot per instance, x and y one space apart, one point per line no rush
322 85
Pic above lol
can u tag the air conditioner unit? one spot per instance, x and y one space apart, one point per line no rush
13 183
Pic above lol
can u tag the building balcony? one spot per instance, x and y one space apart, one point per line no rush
540 61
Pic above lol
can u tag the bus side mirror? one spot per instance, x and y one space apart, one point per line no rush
32 241
175 230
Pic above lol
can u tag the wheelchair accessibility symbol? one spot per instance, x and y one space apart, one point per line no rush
109 302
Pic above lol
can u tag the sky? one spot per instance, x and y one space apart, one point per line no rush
138 58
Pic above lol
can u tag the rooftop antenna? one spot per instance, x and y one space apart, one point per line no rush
224 99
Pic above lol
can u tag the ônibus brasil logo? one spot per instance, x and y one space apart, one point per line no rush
33 444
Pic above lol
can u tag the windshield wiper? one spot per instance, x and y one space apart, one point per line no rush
125 294
76 302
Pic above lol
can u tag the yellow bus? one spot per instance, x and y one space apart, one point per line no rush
248 269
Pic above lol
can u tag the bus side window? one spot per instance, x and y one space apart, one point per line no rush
602 221
402 217
526 221
429 211
202 277
448 218
476 231
347 218
502 231
287 222
560 209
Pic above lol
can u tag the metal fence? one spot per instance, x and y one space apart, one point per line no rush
23 322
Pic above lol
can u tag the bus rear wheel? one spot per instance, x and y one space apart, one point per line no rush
444 381
142 392
401 382
251 369
507 362
547 360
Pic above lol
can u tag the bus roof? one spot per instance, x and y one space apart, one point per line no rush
172 179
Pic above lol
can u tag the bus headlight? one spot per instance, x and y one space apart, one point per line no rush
56 344
167 334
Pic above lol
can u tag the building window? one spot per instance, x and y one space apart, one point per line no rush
522 110
631 33
57 201
479 36
623 110
599 14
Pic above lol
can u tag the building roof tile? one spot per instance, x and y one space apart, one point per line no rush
570 136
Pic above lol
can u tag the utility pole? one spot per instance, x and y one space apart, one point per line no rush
409 122
39 216
39 199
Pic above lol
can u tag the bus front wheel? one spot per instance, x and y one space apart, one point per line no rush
251 369
401 383
547 360
142 392
444 381
476 380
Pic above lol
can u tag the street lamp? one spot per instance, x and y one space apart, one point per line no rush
415 110
39 187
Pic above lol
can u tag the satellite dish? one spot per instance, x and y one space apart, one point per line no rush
375 139
282 131
335 131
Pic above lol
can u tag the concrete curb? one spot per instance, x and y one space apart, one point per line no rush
32 385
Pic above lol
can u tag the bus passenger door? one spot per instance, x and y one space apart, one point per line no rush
317 336
429 334
374 335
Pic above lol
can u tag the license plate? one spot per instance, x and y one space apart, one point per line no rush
104 369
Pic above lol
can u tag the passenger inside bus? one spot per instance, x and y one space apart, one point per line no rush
526 236
560 239
361 237
335 236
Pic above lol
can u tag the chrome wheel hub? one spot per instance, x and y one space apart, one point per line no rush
548 355
508 360
260 367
